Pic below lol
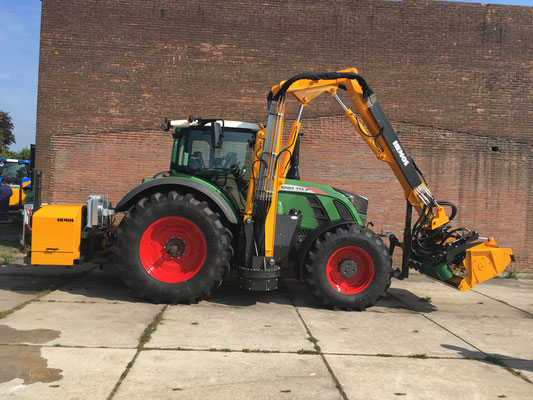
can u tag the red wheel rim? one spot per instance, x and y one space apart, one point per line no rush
364 267
172 249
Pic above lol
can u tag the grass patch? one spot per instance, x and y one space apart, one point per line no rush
57 345
151 328
513 275
315 344
419 355
6 258
384 355
10 247
426 299
304 351
5 313
259 351
195 323
226 350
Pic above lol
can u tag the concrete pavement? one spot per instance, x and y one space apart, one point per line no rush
80 334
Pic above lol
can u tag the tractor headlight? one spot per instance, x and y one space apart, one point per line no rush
359 202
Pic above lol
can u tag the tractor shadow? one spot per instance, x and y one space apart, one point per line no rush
97 286
291 292
412 301
93 284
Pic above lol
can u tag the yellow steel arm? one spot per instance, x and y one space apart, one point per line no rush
305 90
270 165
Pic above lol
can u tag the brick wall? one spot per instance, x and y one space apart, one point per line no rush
455 78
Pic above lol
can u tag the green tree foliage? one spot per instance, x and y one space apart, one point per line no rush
7 138
6 130
23 154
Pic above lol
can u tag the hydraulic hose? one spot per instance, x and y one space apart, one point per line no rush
367 92
451 205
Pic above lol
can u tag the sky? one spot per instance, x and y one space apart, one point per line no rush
20 22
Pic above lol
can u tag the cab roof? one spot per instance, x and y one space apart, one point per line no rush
183 123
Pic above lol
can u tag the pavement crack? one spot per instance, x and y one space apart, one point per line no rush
527 313
145 337
386 355
488 357
42 293
64 346
151 328
70 301
318 351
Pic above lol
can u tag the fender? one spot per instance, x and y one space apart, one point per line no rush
310 239
133 195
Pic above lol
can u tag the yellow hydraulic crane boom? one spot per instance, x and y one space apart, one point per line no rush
429 245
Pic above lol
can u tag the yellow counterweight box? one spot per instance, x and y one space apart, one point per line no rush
56 234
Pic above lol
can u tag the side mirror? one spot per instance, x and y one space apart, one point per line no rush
166 125
217 135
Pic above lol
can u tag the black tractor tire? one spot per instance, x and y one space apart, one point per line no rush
348 269
142 238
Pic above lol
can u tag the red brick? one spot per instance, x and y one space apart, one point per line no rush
453 77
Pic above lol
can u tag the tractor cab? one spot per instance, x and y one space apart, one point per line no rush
215 150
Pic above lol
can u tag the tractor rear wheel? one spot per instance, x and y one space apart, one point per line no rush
348 269
173 248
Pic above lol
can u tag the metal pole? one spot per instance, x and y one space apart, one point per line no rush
406 245
37 200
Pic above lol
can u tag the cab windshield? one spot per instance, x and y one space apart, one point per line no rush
195 152
13 172
228 166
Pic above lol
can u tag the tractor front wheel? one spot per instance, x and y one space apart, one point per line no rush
348 269
173 248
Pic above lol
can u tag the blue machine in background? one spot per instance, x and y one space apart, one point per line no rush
16 174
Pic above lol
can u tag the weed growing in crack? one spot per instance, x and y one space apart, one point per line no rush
420 355
151 328
304 351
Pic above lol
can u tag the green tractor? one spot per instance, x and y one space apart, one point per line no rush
184 228
233 199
